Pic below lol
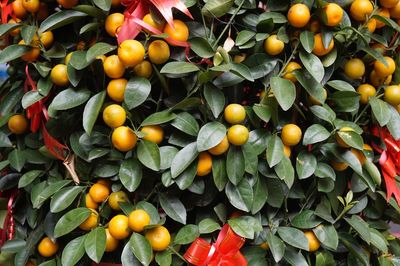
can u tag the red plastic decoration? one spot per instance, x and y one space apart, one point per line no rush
8 230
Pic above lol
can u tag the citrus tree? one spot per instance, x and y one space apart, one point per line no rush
137 133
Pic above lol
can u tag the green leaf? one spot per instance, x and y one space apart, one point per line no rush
7 27
185 180
167 154
293 237
245 226
313 65
5 141
208 225
158 118
240 196
250 159
327 235
92 110
313 87
183 159
378 240
294 257
215 99
17 159
307 40
27 33
355 248
340 85
179 68
12 52
104 5
73 251
60 19
64 198
210 135
324 258
201 47
13 245
235 165
70 221
216 8
69 98
187 234
274 150
361 227
243 37
306 164
219 172
151 210
241 70
30 98
284 92
380 109
352 139
260 195
43 195
186 123
164 258
263 112
173 207
95 244
136 92
127 257
394 123
305 220
285 171
130 174
149 154
78 60
98 49
346 101
141 248
314 134
323 112
276 246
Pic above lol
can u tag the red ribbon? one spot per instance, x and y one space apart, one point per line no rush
224 252
8 225
137 9
389 161
6 11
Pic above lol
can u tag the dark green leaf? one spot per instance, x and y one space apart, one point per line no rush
149 154
130 174
235 165
141 248
187 234
136 92
173 207
60 19
73 251
293 237
92 110
70 221
95 244
284 92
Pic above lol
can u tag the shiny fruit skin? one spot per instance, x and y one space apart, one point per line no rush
99 192
111 242
113 67
113 23
382 70
33 53
388 3
159 52
289 69
313 242
143 69
339 166
116 89
59 75
360 155
90 203
392 95
273 46
17 31
149 20
234 113
31 6
238 135
221 148
287 151
339 140
159 238
114 115
131 53
68 58
68 4
47 247
360 9
91 222
118 227
180 33
366 91
138 219
153 133
319 48
204 165
395 11
124 139
384 12
354 68
371 25
115 198
18 9
333 14
291 135
298 15
18 124
47 39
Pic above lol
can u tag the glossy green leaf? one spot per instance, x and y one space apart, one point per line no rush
327 235
314 134
141 248
186 123
149 154
64 198
130 174
173 207
306 164
92 110
73 251
70 221
293 237
136 92
183 159
187 234
210 135
69 98
240 196
60 19
235 165
274 150
284 92
95 243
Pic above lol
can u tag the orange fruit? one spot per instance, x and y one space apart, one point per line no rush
18 124
388 3
43 12
131 53
124 139
371 25
314 26
291 135
149 20
159 52
221 148
392 95
59 75
105 182
116 89
339 166
115 3
264 246
354 68
332 14
238 135
383 70
313 242
395 11
68 4
273 46
31 6
360 155
383 12
113 67
115 198
17 30
378 81
339 140
234 113
361 9
90 203
143 69
111 242
287 151
380 48
153 133
138 219
113 23
158 237
298 15
365 91
46 38
319 48
47 247
91 222
118 227
315 101
32 54
180 32
68 58
289 69
18 9
204 165
239 58
99 192
114 115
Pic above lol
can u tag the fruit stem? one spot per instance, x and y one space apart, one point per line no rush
176 253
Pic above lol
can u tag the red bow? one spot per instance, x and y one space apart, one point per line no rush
6 11
8 226
137 9
389 161
224 252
